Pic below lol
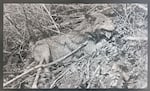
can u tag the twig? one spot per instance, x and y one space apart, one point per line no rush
99 10
45 65
20 53
115 11
80 18
59 77
97 69
14 24
7 52
30 65
58 70
51 17
66 70
91 9
88 68
5 73
142 6
135 38
34 85
48 28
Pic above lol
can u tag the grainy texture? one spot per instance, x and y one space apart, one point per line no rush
115 56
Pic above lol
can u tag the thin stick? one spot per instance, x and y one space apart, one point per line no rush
7 52
97 69
63 73
52 29
59 77
142 6
66 70
14 24
91 9
30 65
38 66
34 85
51 17
135 38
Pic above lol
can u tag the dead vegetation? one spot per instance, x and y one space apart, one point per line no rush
87 49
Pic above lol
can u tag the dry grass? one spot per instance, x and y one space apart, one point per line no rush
120 62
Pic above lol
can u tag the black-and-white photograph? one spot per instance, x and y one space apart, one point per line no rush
79 46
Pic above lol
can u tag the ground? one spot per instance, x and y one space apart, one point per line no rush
117 58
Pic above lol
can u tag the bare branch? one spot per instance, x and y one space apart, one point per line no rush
34 85
51 17
45 65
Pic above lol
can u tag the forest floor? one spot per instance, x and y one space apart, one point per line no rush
119 61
